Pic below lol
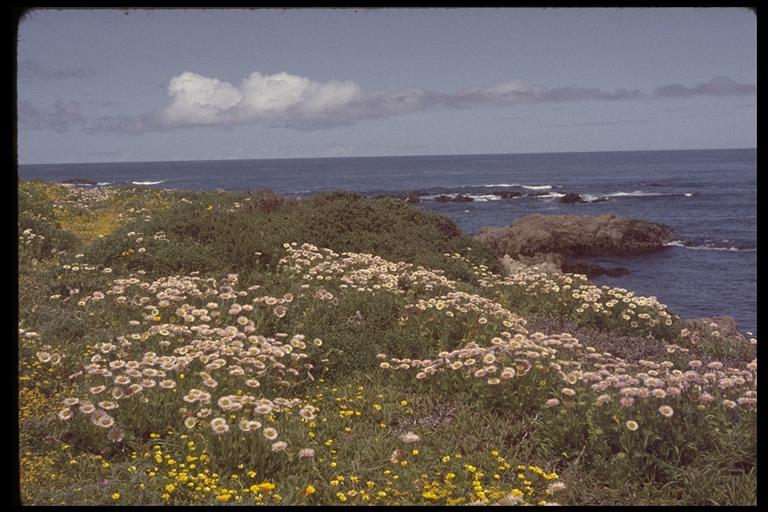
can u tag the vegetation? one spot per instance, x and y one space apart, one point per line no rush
204 348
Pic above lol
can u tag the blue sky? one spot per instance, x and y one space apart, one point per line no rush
142 85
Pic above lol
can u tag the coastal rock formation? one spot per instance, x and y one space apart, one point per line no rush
413 197
725 327
570 197
461 198
549 263
576 235
508 194
79 181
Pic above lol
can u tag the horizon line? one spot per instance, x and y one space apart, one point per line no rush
18 164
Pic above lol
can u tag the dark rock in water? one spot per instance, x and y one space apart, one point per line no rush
616 271
461 198
536 194
576 235
508 194
79 181
570 197
593 270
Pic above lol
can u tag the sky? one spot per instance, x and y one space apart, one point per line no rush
105 85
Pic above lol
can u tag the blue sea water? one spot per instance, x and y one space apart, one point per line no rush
708 197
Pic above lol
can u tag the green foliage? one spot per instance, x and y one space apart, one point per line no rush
244 233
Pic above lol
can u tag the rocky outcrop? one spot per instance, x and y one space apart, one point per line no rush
549 263
724 327
412 197
508 194
576 235
461 198
570 197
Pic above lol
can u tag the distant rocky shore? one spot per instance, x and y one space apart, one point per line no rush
416 196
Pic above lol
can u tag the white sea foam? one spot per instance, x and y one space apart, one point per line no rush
636 193
538 187
147 182
103 183
680 243
500 185
476 197
485 197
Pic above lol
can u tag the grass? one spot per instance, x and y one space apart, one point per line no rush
204 348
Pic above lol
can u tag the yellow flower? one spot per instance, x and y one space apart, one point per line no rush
116 496
170 487
404 402
309 490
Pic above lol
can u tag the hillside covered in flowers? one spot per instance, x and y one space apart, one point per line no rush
204 348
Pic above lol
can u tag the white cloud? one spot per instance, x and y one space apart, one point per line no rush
197 99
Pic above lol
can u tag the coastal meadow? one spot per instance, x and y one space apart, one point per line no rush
204 348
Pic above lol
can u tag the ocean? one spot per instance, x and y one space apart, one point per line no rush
708 197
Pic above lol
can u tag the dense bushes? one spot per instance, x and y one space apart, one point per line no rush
244 232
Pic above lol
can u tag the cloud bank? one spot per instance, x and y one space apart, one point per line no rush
300 103
718 86
60 118
34 70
